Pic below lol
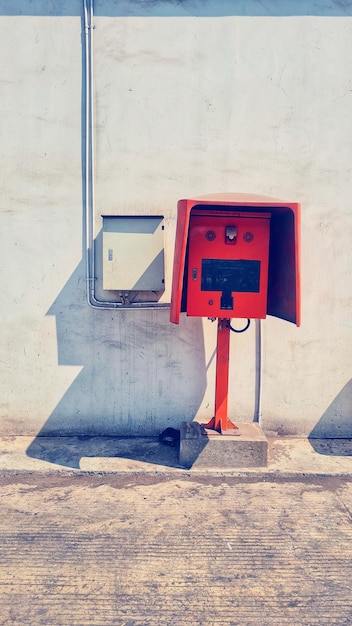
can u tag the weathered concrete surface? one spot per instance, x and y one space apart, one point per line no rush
143 551
200 447
176 114
287 456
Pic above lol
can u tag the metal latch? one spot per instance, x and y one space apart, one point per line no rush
230 234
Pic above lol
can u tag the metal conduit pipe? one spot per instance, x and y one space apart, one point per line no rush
258 370
89 173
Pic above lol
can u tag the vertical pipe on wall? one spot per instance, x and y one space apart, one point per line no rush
89 173
88 12
258 371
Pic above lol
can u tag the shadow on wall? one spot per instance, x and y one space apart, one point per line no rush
140 373
332 435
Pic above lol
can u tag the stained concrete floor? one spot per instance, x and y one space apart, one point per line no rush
287 456
134 540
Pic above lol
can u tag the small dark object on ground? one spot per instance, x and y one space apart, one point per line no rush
170 437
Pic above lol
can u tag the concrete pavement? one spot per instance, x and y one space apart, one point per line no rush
87 537
287 456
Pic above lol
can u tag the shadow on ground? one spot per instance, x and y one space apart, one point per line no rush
332 435
332 447
68 451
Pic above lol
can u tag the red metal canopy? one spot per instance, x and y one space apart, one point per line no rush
284 252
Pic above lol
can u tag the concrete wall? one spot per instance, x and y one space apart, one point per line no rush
190 98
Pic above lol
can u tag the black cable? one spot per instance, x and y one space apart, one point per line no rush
239 331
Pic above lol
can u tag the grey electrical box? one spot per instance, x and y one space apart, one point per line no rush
133 253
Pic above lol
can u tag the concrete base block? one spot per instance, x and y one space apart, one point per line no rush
201 447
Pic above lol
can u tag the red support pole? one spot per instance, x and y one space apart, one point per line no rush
222 376
220 422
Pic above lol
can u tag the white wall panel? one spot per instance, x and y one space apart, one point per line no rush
241 98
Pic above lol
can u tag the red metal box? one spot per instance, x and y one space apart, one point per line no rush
237 256
228 260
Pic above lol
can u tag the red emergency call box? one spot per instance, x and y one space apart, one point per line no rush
236 256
